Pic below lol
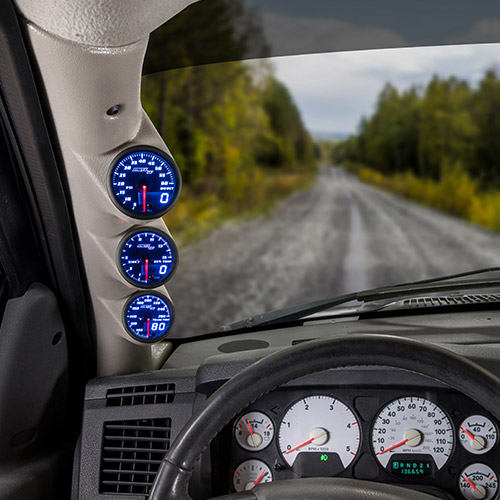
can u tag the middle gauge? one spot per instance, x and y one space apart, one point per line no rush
147 258
319 436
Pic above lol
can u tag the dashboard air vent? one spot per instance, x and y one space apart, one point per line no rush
140 395
131 454
450 300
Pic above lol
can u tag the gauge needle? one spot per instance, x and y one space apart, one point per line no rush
392 447
468 434
472 484
259 478
148 321
251 431
146 270
144 189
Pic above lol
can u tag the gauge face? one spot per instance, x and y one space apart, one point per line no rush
251 473
477 434
478 481
144 182
147 258
254 431
415 427
319 436
148 317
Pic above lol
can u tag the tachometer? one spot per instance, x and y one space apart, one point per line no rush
319 436
412 427
144 182
147 258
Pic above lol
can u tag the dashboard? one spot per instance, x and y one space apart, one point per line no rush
369 423
426 438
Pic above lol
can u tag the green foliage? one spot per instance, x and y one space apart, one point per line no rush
422 130
229 126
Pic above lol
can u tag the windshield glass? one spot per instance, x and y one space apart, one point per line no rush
314 175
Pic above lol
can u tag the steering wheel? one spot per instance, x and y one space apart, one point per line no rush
279 368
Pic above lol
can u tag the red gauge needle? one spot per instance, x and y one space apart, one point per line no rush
300 445
472 485
468 434
146 270
249 427
148 321
259 478
144 189
392 447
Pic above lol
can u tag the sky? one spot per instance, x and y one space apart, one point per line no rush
333 91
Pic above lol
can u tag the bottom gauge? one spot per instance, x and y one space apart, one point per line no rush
250 473
478 481
148 317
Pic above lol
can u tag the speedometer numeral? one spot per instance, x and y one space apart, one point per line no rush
412 426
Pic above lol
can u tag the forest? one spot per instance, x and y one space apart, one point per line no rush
232 127
437 144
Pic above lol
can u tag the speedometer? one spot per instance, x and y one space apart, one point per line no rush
319 436
412 428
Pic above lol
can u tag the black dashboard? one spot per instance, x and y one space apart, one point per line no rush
370 423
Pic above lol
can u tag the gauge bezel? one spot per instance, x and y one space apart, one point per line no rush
249 459
315 394
246 412
486 451
159 338
175 255
409 396
146 149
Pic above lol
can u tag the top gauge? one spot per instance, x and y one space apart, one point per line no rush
144 182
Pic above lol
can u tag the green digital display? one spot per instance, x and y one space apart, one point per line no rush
412 469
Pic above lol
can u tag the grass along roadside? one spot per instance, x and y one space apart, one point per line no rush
195 216
455 193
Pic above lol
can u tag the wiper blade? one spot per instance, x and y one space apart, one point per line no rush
431 285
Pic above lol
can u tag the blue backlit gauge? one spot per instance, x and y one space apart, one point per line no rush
148 317
144 182
147 258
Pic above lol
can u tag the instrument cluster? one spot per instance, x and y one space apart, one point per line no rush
435 439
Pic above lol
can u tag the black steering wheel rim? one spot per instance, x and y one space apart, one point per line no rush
339 352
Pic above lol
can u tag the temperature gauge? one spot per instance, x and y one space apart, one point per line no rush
144 182
250 473
478 434
147 258
478 482
148 317
254 431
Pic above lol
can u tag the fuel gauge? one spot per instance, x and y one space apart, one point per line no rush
251 473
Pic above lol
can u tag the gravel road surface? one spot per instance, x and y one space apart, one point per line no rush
338 237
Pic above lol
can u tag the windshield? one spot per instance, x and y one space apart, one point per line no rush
314 175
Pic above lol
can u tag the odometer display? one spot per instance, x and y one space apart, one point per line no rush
144 182
148 317
412 428
147 258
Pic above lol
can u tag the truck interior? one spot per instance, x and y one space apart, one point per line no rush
135 364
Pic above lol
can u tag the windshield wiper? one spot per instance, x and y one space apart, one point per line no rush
431 285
